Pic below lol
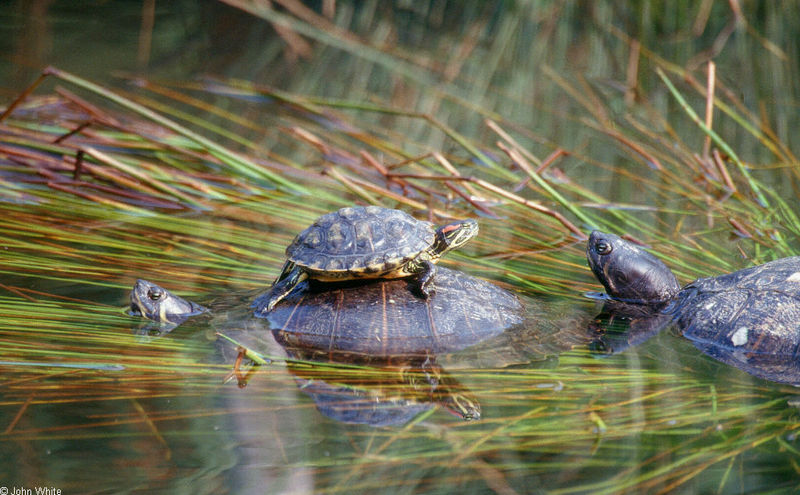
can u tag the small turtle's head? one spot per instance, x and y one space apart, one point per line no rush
159 304
628 272
454 235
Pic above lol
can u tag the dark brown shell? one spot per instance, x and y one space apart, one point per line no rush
385 318
360 239
756 310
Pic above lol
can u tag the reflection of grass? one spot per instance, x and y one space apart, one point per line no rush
101 188
595 422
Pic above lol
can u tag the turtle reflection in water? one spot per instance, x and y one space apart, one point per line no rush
383 394
749 319
620 326
383 324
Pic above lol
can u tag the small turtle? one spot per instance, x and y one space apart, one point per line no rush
755 311
366 243
160 305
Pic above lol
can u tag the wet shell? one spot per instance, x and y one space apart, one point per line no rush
384 319
756 310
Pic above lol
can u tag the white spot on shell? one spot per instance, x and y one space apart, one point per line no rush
794 277
739 337
347 212
709 305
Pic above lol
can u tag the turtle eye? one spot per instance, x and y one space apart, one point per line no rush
603 247
155 294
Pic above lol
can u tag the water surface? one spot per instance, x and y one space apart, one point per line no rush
92 402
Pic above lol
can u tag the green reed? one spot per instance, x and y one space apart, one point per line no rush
171 182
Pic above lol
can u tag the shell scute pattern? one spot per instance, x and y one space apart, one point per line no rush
744 321
366 235
334 264
338 238
395 227
348 212
384 318
313 237
318 262
360 240
374 264
755 310
781 275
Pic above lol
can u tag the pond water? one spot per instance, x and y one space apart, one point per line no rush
570 400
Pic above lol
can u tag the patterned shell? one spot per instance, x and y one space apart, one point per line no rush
756 310
357 240
385 319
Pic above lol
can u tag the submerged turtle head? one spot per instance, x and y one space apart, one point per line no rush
159 304
628 272
454 235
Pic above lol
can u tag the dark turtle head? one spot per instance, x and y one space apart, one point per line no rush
628 272
454 235
159 304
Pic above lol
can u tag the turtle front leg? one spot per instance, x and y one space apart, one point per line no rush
286 269
284 285
424 283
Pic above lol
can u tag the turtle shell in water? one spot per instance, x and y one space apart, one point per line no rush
383 323
384 318
749 319
755 310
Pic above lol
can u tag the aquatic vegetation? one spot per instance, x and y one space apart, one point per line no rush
201 185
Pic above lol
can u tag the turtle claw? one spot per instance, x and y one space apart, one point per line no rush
426 291
425 288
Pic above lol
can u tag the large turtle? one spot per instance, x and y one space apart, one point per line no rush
383 320
366 243
746 318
